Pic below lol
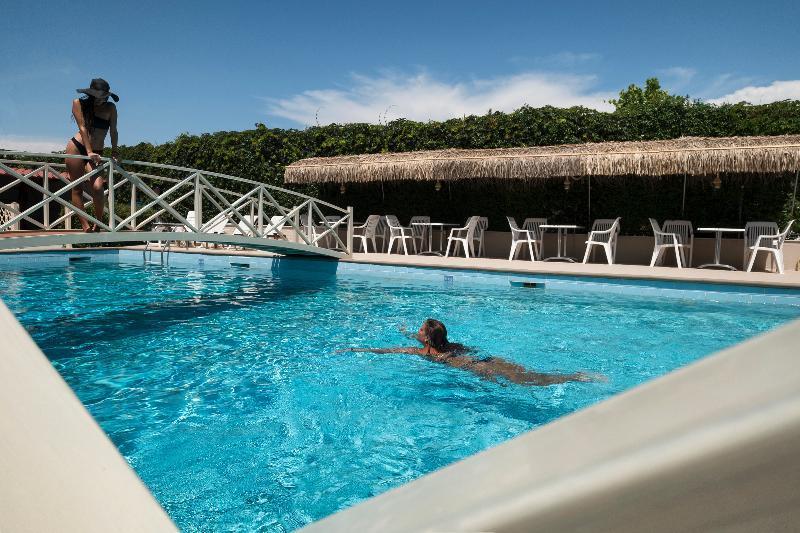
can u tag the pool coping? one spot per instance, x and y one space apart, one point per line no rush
791 279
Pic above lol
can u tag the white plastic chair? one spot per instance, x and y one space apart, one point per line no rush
477 237
420 232
664 240
367 232
242 227
685 232
7 214
328 241
772 243
533 225
401 234
275 228
605 238
522 236
752 231
464 237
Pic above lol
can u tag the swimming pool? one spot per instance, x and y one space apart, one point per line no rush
221 384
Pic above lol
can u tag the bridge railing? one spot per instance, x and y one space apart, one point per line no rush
140 196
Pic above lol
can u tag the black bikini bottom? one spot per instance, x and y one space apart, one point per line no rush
79 145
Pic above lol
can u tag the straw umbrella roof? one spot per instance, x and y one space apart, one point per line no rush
687 155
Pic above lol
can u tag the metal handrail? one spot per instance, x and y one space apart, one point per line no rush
148 203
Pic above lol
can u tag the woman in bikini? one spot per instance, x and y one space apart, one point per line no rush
95 116
435 347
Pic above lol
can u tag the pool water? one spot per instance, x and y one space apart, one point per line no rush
225 391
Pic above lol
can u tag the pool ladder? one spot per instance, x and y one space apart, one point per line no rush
161 248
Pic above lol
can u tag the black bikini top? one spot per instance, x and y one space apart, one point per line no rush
101 123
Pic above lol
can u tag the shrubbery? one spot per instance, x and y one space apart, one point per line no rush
642 113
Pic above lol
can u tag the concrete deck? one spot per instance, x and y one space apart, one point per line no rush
790 279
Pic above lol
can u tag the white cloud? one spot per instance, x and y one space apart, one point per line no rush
31 144
421 97
677 77
777 90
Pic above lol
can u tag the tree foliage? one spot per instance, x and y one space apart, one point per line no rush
641 113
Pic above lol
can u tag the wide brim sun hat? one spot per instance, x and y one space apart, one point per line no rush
99 88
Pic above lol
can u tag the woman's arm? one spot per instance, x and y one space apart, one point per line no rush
380 350
113 131
86 137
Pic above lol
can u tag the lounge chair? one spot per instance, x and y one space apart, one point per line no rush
367 232
685 232
664 240
752 231
772 243
605 236
401 234
522 236
464 237
275 228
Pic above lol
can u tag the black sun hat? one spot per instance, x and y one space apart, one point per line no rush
99 88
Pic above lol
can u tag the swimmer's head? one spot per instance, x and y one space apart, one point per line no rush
433 333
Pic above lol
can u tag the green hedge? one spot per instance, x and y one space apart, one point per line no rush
642 113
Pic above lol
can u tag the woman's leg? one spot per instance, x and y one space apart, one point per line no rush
98 198
76 169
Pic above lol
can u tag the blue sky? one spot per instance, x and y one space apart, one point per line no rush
208 66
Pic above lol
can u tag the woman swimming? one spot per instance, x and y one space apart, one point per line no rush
435 347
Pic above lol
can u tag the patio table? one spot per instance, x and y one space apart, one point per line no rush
562 230
718 246
430 225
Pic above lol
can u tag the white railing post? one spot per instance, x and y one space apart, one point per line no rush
46 195
133 206
111 212
296 224
310 220
261 211
198 202
349 230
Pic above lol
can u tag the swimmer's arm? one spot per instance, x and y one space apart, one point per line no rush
380 350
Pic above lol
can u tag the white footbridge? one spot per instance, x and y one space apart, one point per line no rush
164 206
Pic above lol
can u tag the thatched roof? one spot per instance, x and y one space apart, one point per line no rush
687 155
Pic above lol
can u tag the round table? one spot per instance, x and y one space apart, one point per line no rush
441 226
562 229
718 246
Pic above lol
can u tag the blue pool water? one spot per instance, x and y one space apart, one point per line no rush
223 388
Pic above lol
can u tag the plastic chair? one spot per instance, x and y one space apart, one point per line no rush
752 231
685 232
319 229
401 233
664 240
463 236
522 236
533 225
7 213
275 227
770 243
605 238
601 224
420 232
367 232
